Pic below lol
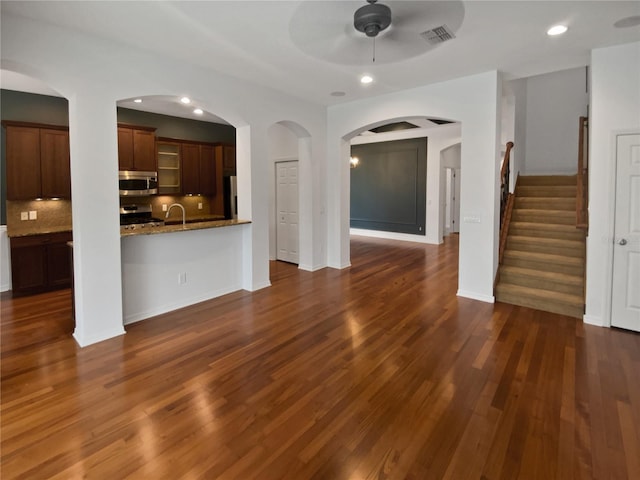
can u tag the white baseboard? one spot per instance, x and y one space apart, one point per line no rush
593 320
85 341
405 237
476 296
311 268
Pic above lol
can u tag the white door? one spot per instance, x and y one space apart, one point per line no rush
287 211
625 298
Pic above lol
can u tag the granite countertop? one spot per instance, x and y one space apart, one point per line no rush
203 218
38 231
182 228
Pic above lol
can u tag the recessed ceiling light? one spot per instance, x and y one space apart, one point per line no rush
365 79
198 111
557 30
137 100
185 100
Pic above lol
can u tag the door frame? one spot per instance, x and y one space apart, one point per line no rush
610 238
612 231
275 202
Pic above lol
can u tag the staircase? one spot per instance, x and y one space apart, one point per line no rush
544 258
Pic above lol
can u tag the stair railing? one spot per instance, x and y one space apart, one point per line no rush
506 200
582 196
505 172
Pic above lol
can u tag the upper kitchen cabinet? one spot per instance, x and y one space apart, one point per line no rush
169 167
198 169
228 155
37 161
137 148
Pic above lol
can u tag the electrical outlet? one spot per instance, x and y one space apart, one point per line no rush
24 215
199 205
33 214
164 207
182 278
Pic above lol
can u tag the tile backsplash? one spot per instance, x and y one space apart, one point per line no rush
51 215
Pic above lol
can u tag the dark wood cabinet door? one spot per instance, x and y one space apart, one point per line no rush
207 170
227 157
28 268
144 151
54 163
190 168
23 163
125 148
58 265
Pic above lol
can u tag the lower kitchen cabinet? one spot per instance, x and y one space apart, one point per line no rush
40 263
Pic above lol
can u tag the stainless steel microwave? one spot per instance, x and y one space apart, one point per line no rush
137 184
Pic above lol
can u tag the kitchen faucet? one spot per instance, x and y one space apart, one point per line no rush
176 205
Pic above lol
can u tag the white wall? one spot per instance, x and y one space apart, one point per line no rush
438 139
210 259
93 74
5 260
475 102
555 102
615 108
519 91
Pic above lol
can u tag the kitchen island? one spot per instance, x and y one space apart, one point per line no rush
163 271
179 227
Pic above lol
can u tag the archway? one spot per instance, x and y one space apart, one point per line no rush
289 154
36 186
440 134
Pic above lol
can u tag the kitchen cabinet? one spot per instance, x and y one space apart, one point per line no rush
198 168
169 160
137 148
40 263
228 155
38 163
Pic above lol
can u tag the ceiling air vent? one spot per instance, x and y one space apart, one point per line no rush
438 35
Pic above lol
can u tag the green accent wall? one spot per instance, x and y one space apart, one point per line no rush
29 107
182 128
388 187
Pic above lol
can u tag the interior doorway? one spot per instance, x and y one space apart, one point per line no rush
625 297
287 221
452 201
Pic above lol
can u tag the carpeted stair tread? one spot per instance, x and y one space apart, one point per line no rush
548 230
547 300
573 248
544 257
544 262
563 217
529 180
546 191
546 203
526 277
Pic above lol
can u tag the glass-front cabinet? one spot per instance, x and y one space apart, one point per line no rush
168 168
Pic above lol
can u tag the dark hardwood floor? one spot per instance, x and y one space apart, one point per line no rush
375 372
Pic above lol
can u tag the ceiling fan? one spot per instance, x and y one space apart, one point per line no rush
372 19
342 32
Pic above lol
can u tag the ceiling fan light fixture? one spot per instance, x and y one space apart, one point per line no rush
372 18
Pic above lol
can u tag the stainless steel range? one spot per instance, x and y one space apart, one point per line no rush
133 217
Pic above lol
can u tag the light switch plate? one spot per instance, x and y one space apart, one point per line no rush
33 214
164 207
24 215
199 205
